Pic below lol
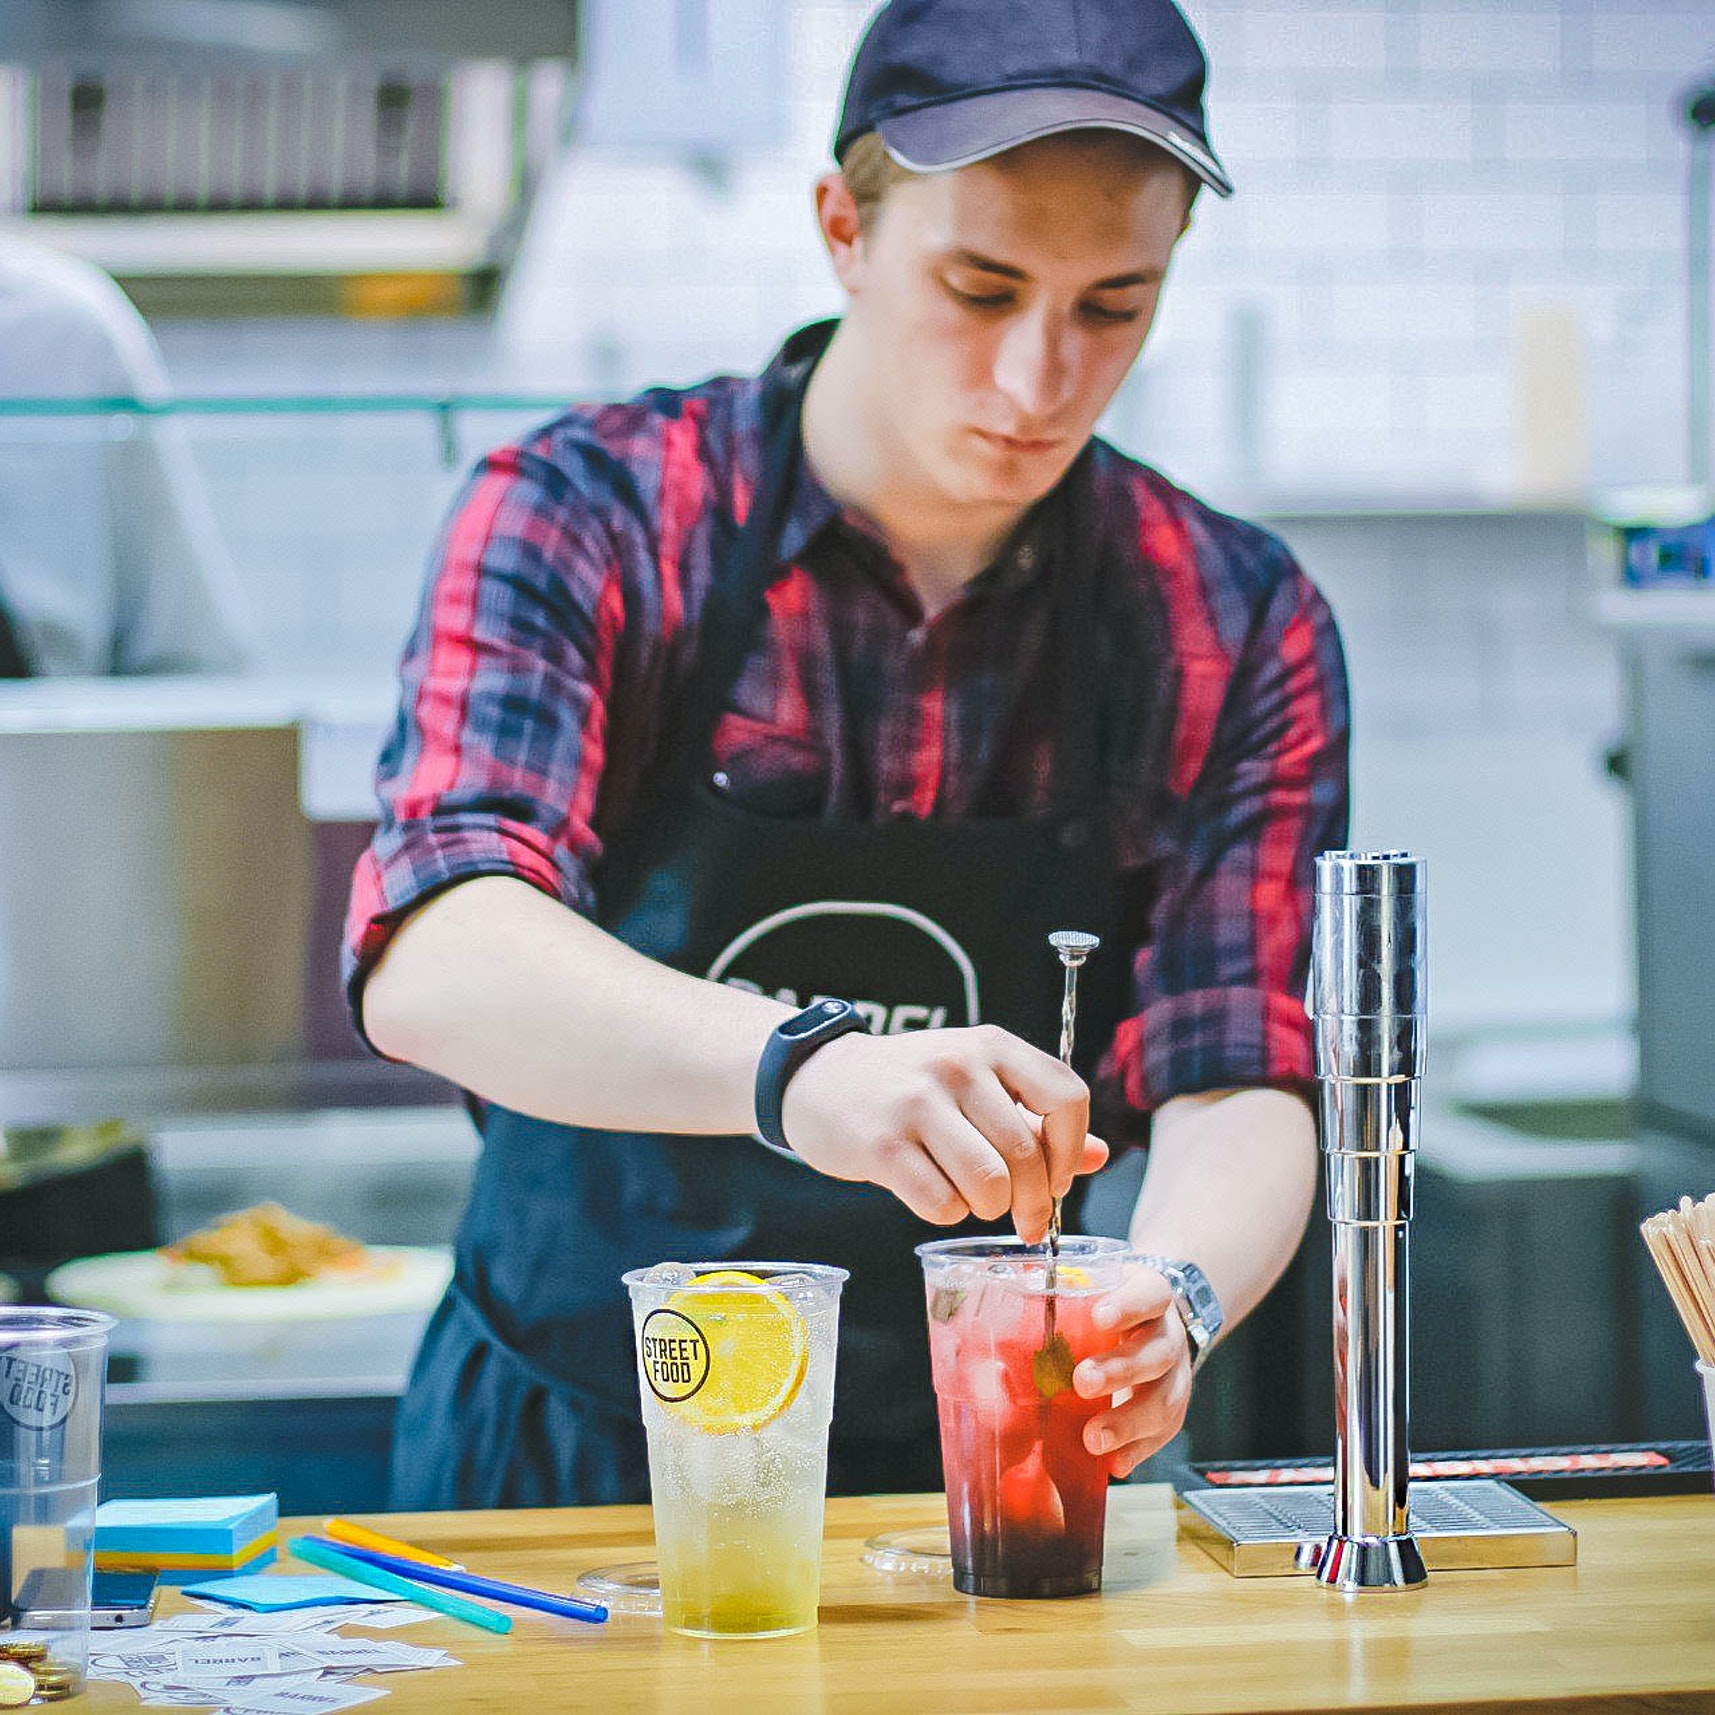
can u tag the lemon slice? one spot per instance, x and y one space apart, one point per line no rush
758 1351
1069 1274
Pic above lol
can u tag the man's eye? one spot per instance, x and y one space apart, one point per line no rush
982 300
1101 313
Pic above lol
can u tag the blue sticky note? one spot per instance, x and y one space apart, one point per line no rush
220 1525
268 1594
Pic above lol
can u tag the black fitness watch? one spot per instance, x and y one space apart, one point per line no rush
1194 1298
788 1047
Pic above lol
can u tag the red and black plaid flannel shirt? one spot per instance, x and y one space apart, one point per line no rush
563 610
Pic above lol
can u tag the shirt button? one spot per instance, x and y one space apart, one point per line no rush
916 638
720 780
899 809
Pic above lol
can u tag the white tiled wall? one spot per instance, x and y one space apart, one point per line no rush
1484 704
1418 178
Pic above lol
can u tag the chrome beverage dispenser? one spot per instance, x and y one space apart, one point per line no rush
1368 1001
1371 1528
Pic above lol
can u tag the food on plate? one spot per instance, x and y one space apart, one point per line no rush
267 1245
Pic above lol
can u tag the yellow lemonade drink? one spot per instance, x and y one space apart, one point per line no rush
735 1365
738 1569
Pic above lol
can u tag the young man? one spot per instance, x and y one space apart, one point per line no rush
856 680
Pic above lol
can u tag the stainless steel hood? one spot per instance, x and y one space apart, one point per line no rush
246 139
170 901
279 30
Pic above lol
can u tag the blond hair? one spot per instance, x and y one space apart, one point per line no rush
870 173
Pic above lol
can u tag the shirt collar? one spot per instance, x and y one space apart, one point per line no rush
1023 557
809 511
809 507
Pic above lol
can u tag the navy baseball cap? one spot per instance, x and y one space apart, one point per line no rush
949 82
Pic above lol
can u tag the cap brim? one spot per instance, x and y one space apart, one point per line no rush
956 133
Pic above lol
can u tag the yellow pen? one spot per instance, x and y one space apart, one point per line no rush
361 1536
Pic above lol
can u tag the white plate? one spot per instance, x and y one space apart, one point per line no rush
143 1285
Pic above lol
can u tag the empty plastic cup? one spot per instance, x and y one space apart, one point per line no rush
53 1368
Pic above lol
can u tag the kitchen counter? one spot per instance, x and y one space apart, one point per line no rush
193 702
1630 1627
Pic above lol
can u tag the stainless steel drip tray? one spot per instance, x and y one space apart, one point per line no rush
1459 1525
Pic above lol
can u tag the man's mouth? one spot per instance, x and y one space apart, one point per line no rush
1026 444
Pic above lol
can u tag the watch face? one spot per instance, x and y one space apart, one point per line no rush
1202 1295
1207 1306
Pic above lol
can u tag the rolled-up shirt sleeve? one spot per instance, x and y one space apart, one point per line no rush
1219 985
497 749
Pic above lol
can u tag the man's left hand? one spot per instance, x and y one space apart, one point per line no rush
1152 1358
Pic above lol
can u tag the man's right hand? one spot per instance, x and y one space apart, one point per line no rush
952 1122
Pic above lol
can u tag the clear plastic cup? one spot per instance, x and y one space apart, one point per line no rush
53 1368
735 1363
1026 1500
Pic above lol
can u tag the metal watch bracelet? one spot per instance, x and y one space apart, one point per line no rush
1195 1300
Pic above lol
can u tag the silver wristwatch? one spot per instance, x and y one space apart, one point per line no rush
1194 1298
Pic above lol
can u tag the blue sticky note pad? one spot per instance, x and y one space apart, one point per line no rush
271 1594
229 1525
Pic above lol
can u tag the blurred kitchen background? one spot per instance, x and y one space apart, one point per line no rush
1450 339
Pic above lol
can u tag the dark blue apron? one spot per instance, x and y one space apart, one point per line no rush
525 1390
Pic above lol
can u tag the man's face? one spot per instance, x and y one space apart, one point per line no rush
999 306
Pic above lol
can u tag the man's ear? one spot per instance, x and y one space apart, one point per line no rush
842 232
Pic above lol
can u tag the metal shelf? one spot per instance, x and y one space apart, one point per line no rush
1681 612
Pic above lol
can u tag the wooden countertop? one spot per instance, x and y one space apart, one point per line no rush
1631 1627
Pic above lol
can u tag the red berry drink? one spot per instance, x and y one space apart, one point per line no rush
1026 1501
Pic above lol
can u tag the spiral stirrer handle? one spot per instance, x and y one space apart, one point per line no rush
1074 946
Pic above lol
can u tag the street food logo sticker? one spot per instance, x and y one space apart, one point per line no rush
38 1392
675 1355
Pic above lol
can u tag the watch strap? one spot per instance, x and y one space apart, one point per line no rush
789 1045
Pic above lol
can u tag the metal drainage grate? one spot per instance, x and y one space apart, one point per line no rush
1458 1524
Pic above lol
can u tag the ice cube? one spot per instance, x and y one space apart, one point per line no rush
793 1285
671 1274
986 1383
1028 1496
723 1470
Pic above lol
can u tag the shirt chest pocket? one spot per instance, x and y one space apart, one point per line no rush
769 771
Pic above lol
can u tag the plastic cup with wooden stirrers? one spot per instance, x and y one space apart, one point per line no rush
1682 1242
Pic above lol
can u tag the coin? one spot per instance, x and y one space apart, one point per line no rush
22 1649
17 1685
52 1678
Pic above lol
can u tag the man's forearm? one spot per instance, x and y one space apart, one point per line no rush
510 994
515 997
1229 1187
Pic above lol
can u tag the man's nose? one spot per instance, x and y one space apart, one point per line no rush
1035 366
